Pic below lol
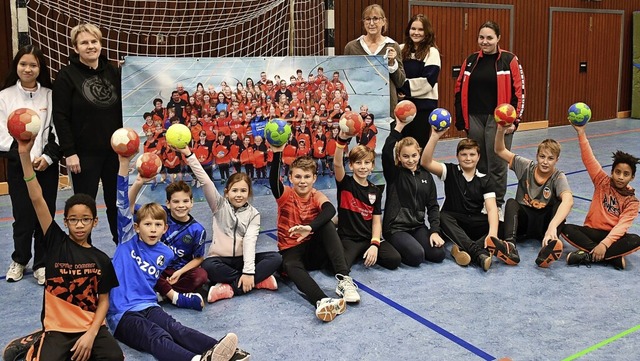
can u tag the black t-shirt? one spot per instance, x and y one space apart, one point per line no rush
483 85
75 277
464 196
357 205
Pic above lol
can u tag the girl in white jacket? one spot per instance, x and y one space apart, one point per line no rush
28 85
232 263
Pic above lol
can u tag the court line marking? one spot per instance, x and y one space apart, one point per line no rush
437 329
602 343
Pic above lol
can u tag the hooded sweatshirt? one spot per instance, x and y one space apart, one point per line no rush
87 106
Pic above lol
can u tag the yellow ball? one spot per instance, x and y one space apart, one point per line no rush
178 135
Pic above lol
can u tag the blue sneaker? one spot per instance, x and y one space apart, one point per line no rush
190 300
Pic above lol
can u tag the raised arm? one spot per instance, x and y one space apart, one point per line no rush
338 166
277 188
426 160
35 191
211 193
499 147
388 154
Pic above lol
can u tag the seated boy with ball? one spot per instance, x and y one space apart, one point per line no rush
604 237
307 238
543 201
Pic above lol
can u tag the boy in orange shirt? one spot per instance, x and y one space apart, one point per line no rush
614 206
307 238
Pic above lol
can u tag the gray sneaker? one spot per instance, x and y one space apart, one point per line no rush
40 275
15 272
347 289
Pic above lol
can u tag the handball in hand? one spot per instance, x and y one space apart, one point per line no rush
405 111
440 119
125 142
23 123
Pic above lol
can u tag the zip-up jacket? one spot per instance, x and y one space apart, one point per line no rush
510 79
235 231
409 194
15 97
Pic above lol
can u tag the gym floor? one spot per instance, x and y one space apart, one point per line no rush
433 312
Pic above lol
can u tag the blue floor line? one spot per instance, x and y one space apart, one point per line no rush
478 352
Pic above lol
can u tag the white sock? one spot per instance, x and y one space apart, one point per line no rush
196 358
174 300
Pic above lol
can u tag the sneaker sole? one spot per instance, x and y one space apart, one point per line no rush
224 350
329 312
486 264
554 254
491 246
11 280
462 258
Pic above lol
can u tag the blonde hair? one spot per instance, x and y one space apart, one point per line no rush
375 8
550 145
402 143
361 152
85 28
153 211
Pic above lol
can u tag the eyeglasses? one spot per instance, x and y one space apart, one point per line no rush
375 19
73 221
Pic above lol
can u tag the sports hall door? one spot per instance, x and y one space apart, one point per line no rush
584 62
456 28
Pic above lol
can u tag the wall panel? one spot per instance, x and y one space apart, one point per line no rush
530 33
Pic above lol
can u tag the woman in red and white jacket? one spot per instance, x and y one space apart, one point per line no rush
487 78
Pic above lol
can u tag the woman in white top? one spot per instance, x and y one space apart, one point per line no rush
28 85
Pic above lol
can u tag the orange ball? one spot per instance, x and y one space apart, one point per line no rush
505 114
405 111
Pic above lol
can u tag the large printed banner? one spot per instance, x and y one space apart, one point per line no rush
222 98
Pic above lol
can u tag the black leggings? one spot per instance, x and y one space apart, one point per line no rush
323 249
586 239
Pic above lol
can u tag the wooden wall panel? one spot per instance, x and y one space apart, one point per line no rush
531 40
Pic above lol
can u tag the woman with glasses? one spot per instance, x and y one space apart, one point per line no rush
421 60
375 43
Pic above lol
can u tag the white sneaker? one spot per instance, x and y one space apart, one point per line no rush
15 272
328 308
347 289
40 275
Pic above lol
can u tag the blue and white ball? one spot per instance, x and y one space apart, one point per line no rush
440 119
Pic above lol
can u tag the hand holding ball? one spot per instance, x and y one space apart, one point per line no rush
125 142
440 119
505 114
579 114
405 111
178 136
148 165
23 123
351 123
277 132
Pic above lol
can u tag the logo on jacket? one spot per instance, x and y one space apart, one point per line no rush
546 192
372 198
99 92
187 239
160 260
424 181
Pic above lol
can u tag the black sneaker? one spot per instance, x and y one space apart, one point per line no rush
240 355
484 261
577 258
501 250
513 252
549 253
17 349
223 350
618 263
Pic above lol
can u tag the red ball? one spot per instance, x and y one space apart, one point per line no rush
148 165
125 141
405 111
351 123
505 114
23 123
